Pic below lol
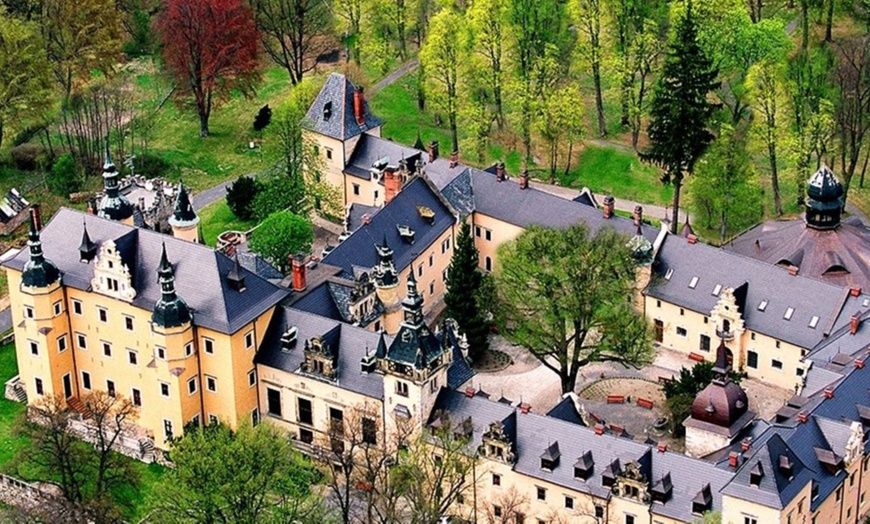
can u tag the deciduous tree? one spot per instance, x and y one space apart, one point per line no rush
281 235
210 47
348 15
293 32
587 16
440 60
566 296
486 21
462 299
852 105
559 121
765 83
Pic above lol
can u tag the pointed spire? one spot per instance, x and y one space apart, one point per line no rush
236 277
183 215
722 367
381 350
38 272
113 205
87 248
413 302
108 164
418 145
171 310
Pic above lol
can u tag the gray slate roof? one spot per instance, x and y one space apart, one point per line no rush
200 272
341 125
370 149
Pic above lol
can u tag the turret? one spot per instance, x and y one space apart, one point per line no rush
184 221
825 202
171 310
386 280
38 271
114 205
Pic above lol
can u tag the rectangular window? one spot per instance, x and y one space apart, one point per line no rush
39 390
788 313
431 260
61 344
86 380
128 323
77 307
377 193
57 308
211 383
477 231
137 398
28 312
133 357
752 359
569 502
431 288
160 352
369 431
488 234
541 493
356 189
599 512
496 511
401 388
103 314
705 343
420 270
629 519
249 340
167 429
107 349
306 414
212 419
496 479
110 388
34 348
252 378
776 364
188 349
191 386
750 520
164 389
444 276
208 344
681 332
255 417
273 402
693 283
81 341
328 154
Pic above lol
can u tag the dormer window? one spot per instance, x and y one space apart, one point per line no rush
788 313
693 283
717 290
814 322
756 474
327 110
662 490
550 457
703 501
584 466
785 466
763 305
669 273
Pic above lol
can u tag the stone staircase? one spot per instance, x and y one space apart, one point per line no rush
15 391
76 404
146 450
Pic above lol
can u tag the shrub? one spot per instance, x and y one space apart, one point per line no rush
281 235
263 118
150 165
27 157
241 195
64 178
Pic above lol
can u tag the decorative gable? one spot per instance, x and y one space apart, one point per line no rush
726 316
497 445
111 275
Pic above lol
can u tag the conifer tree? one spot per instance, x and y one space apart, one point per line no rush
680 113
463 284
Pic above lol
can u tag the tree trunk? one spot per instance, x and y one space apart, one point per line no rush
454 134
1 133
678 185
774 178
570 154
829 22
723 228
599 102
805 24
203 123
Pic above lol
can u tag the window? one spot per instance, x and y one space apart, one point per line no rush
750 520
191 386
401 388
717 290
208 344
77 307
658 303
306 436
669 273
431 288
86 380
752 336
164 389
103 314
249 340
814 322
445 245
356 189
161 352
167 429
212 419
57 308
629 519
569 502
599 512
420 270
693 283
706 320
210 383
61 344
273 402
369 431
541 493
788 313
777 344
137 398
477 231
34 348
776 364
496 479
252 378
255 417
305 412
188 349
752 359
496 511
81 341
328 154
28 312
682 312
487 264
705 343
133 357
444 275
487 234
681 331
39 389
107 349
128 323
377 193
110 388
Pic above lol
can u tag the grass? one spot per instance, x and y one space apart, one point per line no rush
217 218
9 411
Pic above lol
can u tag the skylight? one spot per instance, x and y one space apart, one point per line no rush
669 274
717 290
814 322
866 302
788 313
763 305
693 283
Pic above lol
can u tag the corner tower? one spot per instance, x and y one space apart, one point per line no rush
387 287
184 221
114 205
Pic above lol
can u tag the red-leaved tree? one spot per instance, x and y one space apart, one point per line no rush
210 46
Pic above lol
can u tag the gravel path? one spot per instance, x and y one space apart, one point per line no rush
395 75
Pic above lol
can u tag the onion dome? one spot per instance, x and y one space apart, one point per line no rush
184 215
113 205
171 310
38 271
824 200
722 402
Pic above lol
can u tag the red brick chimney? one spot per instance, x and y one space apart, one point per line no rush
469 391
299 281
91 210
608 206
854 322
855 291
392 184
793 270
525 408
359 105
733 459
36 216
638 215
433 151
454 159
499 172
524 179
803 417
663 447
746 444
829 392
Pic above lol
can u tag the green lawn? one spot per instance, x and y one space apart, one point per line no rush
217 218
9 411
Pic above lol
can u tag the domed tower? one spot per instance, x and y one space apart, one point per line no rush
171 311
184 221
387 287
719 412
114 205
824 200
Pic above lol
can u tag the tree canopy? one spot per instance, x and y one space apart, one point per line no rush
282 234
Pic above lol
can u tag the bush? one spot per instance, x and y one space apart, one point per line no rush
241 195
281 235
141 41
150 166
64 178
27 157
263 118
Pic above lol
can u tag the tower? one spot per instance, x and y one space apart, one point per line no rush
824 203
642 253
184 221
113 205
414 365
387 287
42 339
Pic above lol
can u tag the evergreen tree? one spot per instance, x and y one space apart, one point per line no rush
680 113
463 285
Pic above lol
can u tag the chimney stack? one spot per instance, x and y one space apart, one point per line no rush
638 215
854 322
454 159
91 210
499 172
608 206
829 393
299 281
525 408
469 391
36 215
433 151
359 105
855 291
746 444
793 270
392 184
733 459
524 179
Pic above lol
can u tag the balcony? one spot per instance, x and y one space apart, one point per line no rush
725 334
